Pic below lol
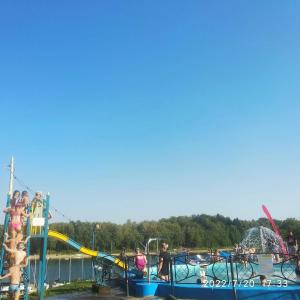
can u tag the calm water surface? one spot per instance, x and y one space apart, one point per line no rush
64 270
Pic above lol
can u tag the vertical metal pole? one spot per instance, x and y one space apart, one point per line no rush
237 272
41 278
93 247
148 259
70 268
172 277
43 251
92 266
126 276
6 219
82 269
59 258
5 228
227 272
35 285
11 176
26 274
232 279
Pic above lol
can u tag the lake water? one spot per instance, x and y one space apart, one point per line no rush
63 270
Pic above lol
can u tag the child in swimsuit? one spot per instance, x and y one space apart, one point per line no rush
140 260
25 199
19 253
15 241
15 275
24 202
263 280
16 214
15 198
37 205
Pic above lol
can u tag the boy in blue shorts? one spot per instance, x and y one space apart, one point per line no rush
15 274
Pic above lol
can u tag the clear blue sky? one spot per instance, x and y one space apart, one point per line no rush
147 109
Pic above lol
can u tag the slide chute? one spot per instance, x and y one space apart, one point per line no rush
276 229
63 238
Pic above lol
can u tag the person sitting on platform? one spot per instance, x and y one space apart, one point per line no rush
216 256
203 277
15 274
263 280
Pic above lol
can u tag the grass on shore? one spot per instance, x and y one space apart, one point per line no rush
75 286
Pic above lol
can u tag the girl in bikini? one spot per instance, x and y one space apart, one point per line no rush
140 262
16 215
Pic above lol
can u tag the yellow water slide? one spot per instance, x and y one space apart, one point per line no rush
63 238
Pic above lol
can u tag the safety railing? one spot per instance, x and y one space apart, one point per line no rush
184 269
229 269
276 269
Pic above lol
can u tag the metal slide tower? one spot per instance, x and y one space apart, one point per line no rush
37 228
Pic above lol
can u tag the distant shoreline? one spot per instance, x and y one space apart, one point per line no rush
64 256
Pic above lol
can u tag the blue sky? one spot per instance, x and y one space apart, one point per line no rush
147 109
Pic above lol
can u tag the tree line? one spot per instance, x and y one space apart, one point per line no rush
197 231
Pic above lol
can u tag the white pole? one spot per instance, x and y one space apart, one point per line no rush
70 269
35 271
92 265
82 266
59 269
11 177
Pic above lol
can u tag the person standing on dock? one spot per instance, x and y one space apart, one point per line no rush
292 244
164 262
140 262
